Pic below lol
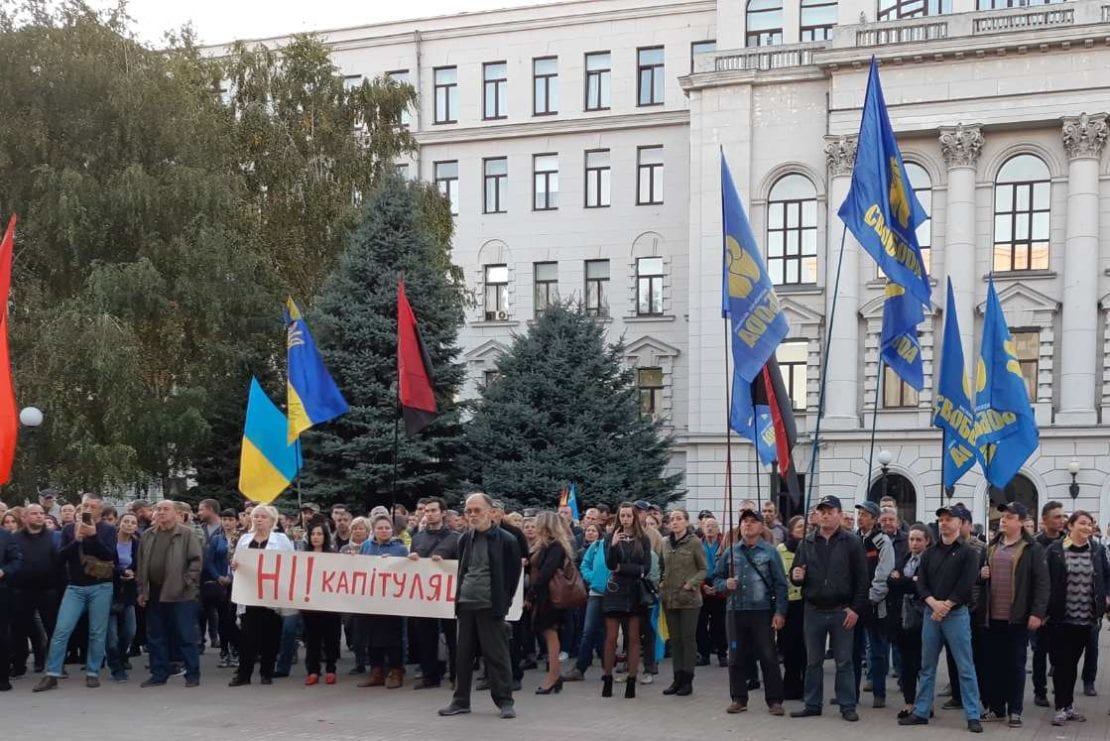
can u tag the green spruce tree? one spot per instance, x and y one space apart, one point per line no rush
355 325
566 409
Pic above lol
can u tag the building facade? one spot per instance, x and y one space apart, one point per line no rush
579 144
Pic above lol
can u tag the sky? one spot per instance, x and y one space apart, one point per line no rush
217 21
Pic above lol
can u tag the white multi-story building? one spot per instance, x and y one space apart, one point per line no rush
580 143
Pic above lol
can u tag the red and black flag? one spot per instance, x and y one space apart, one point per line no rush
414 376
775 425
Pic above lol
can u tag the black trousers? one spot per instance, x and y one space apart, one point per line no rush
1066 645
26 603
427 632
712 639
321 638
792 647
259 641
909 643
6 614
1039 641
1004 667
1090 656
482 631
753 639
229 630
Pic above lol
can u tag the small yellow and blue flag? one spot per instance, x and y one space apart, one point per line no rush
268 463
313 397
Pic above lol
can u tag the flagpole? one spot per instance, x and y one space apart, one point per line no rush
728 383
396 445
824 371
875 419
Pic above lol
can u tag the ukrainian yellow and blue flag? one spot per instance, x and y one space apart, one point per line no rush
313 397
268 463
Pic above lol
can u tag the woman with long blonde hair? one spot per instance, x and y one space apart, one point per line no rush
549 552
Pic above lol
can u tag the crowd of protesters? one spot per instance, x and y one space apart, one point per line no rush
86 585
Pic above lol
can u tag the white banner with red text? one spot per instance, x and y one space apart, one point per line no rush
333 582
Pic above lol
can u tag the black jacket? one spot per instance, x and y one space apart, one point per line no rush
443 542
504 553
836 571
1031 587
42 564
11 560
102 546
1058 579
948 572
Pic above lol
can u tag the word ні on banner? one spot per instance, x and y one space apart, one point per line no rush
332 582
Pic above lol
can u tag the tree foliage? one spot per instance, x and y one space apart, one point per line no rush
565 409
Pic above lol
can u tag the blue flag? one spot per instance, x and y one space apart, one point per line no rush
312 396
898 343
748 300
952 412
881 209
1004 422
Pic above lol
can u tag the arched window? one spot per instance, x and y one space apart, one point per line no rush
897 486
818 19
792 231
1000 4
1021 210
764 23
892 10
1020 489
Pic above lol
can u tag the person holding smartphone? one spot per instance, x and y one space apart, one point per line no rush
628 558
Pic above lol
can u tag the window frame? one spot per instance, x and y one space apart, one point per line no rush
500 184
774 36
500 92
897 394
604 81
1014 213
656 72
800 257
549 80
816 31
599 173
406 114
897 10
549 287
450 96
1034 362
654 393
451 192
790 370
694 52
602 310
501 294
546 174
655 178
654 285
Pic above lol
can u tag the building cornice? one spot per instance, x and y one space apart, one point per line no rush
549 126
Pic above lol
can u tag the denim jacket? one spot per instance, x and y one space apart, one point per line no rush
751 591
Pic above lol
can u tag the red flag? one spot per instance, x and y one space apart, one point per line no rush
770 387
9 415
418 401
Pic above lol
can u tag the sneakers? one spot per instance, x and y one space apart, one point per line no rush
1089 689
736 707
974 726
849 715
991 717
806 712
573 676
92 682
952 704
1075 715
1015 721
1041 701
878 702
454 709
508 712
1060 718
776 709
647 678
152 682
913 720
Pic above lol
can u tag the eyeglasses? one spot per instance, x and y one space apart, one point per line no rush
473 511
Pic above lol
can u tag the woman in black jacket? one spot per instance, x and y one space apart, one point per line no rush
1076 602
121 619
909 611
628 556
550 550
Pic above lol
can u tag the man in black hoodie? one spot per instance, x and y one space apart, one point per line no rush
11 559
37 587
436 542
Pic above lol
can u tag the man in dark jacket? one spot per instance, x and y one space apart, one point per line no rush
11 560
1016 603
89 553
488 578
831 569
1053 523
436 542
871 635
37 589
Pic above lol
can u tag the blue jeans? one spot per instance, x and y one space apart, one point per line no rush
956 631
291 625
121 629
96 600
819 624
593 634
172 623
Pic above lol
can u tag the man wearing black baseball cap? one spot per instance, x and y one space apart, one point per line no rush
831 569
1016 591
871 638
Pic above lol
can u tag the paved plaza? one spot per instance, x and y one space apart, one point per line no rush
289 710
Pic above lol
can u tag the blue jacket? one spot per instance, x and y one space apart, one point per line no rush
393 548
594 571
215 558
11 559
751 591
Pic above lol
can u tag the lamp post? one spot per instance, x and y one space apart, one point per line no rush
31 419
885 457
1073 488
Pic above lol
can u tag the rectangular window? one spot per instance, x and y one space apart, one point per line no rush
597 178
1021 225
649 75
1027 344
649 286
495 177
701 47
597 288
490 377
818 19
545 177
447 180
495 76
793 365
545 86
497 293
401 77
401 170
598 69
650 383
897 394
446 95
792 240
649 175
546 278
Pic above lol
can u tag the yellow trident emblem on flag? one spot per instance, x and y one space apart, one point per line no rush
743 271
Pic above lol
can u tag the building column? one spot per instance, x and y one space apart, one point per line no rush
961 146
843 352
1084 137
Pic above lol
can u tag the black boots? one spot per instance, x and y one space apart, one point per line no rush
630 687
607 685
678 679
687 686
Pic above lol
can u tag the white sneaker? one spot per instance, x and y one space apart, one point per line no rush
563 656
1075 715
647 678
1060 718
